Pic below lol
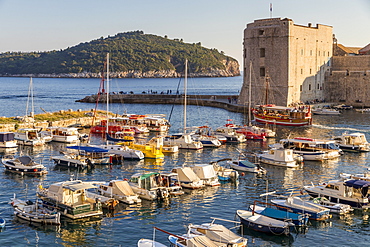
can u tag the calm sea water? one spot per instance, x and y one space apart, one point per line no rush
128 224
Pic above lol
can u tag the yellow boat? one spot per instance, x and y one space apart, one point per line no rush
151 150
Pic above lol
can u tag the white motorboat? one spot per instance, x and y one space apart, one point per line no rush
188 179
352 192
336 208
70 199
23 165
120 190
353 142
7 140
63 134
29 137
207 173
312 149
279 157
34 212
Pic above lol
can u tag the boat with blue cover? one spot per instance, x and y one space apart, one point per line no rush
279 213
297 205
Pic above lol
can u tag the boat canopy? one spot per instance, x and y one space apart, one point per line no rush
246 163
6 136
123 187
88 149
186 174
25 160
204 171
147 175
357 184
220 233
276 108
79 186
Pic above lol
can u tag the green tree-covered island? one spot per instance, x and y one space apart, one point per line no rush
132 55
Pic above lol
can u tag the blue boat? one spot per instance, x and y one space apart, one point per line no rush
297 205
280 214
264 224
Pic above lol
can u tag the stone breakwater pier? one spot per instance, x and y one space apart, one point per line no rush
227 102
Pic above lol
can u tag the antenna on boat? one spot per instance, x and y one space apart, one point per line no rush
107 124
185 92
250 96
30 96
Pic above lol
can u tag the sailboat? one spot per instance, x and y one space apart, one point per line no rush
118 150
29 136
183 140
297 115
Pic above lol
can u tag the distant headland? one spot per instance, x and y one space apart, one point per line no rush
133 55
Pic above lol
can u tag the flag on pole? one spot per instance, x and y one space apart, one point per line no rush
270 10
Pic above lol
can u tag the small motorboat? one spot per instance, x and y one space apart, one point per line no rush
207 173
34 212
23 165
120 190
335 208
263 223
218 234
245 165
188 179
225 174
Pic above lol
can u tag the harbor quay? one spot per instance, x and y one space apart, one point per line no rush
227 102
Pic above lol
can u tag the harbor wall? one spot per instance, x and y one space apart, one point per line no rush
227 102
85 121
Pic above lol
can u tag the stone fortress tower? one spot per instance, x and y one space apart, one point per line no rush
289 59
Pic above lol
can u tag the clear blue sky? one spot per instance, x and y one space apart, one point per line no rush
44 25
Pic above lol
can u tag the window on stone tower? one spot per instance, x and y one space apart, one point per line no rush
261 32
262 71
309 87
300 88
262 52
318 86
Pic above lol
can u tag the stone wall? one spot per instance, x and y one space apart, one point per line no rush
86 121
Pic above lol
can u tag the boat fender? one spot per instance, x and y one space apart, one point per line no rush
242 174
